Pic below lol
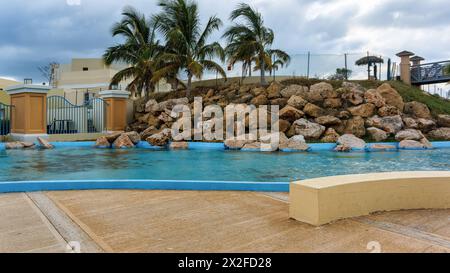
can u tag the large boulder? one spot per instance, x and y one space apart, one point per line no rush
355 126
440 133
43 143
377 134
313 110
417 109
152 106
168 105
411 144
409 134
273 91
102 142
443 120
294 89
296 143
235 144
332 103
160 139
290 113
364 110
257 91
391 125
309 130
152 120
425 125
354 96
19 145
330 136
389 110
297 102
320 91
269 138
252 146
123 141
282 102
113 136
16 145
410 123
328 120
260 100
151 130
284 125
374 97
349 140
165 117
391 96
134 137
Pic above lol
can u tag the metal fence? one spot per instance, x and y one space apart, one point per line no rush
5 119
322 66
429 73
65 118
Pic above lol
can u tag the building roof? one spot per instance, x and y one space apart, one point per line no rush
404 53
6 82
417 58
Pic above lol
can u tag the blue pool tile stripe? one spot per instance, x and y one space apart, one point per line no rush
60 185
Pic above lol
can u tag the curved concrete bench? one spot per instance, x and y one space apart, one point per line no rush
323 200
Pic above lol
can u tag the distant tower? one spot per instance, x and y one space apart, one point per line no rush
54 75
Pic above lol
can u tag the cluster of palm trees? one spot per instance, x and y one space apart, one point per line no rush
185 49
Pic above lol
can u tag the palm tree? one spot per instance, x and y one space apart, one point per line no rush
187 49
239 51
275 58
140 50
250 40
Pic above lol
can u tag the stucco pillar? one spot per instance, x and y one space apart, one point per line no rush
29 111
116 109
405 66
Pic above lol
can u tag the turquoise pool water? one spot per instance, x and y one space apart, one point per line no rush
206 165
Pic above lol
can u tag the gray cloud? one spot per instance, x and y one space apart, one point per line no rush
36 32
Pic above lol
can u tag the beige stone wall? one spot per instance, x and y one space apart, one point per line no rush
323 200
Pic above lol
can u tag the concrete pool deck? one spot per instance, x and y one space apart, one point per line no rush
193 221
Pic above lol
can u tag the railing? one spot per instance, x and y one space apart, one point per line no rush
64 117
5 119
431 73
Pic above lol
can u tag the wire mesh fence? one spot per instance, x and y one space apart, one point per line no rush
324 66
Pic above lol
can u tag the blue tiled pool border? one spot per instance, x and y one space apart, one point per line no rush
29 186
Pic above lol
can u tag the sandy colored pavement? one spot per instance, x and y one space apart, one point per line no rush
190 221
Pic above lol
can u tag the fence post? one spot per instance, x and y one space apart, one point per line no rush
116 109
405 66
29 111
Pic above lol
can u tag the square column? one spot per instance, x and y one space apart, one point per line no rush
116 109
405 66
28 112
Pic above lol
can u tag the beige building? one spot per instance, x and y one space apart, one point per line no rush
4 83
83 79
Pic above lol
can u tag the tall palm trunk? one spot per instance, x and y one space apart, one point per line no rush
263 72
189 85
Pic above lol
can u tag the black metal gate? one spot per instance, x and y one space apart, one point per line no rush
63 117
5 119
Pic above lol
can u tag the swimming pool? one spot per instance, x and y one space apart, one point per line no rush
86 163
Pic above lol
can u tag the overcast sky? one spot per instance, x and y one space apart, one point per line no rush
33 33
